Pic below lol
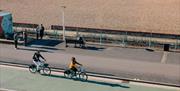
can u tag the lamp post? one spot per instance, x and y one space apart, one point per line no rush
150 39
63 7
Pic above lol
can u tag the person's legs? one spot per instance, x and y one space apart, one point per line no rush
37 64
41 63
37 36
83 44
74 69
15 43
41 35
25 41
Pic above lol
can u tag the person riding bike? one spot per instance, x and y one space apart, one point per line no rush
73 65
37 61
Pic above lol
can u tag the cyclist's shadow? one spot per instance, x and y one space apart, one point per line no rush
90 81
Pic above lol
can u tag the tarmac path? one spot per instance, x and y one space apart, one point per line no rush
135 64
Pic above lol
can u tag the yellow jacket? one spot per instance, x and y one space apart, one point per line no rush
71 65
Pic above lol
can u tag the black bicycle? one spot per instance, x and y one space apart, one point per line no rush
80 74
44 69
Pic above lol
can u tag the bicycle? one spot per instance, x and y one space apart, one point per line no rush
80 74
44 68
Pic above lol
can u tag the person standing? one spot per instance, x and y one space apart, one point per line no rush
37 31
42 31
81 42
25 37
16 40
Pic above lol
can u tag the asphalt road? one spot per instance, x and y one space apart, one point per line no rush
121 62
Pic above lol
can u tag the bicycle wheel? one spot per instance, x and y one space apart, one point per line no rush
66 73
32 68
83 76
47 70
69 74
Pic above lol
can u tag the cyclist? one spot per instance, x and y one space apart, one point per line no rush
73 65
36 59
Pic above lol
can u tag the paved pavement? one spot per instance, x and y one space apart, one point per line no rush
121 62
20 79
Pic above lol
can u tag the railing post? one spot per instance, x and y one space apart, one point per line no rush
77 32
100 38
150 38
176 44
125 39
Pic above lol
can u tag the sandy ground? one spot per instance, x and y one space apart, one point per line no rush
160 16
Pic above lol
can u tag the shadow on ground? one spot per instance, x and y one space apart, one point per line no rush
91 81
46 42
150 50
92 48
48 48
27 49
88 47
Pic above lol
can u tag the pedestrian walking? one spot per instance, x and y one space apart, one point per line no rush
42 31
16 40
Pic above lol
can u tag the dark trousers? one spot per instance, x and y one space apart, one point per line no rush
37 36
15 43
74 69
81 44
41 35
25 41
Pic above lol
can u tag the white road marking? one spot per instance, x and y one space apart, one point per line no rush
156 86
164 57
3 89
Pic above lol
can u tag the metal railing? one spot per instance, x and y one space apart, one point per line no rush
112 37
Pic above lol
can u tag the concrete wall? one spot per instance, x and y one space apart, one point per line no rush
162 16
